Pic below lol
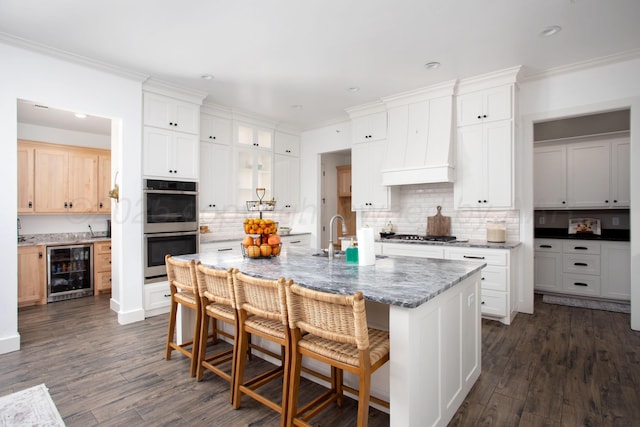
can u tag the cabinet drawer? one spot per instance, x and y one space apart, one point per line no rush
548 245
102 247
581 247
103 281
582 284
157 295
233 246
102 262
581 264
413 250
494 278
494 303
490 256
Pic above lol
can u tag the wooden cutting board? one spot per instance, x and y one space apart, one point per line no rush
438 225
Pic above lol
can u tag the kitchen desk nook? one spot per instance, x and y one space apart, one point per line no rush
430 306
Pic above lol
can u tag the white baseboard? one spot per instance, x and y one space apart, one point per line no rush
130 317
10 344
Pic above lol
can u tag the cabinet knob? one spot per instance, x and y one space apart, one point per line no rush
479 117
100 204
615 201
66 205
170 123
30 204
70 204
564 203
606 201
287 151
484 116
40 255
484 201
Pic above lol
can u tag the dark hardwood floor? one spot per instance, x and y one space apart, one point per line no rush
561 366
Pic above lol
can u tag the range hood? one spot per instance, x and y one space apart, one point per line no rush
420 144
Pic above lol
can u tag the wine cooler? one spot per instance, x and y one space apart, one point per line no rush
69 272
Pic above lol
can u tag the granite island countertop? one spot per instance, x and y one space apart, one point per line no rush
456 243
401 281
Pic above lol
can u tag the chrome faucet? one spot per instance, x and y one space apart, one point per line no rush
344 231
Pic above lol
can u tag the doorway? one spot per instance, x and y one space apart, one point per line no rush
330 202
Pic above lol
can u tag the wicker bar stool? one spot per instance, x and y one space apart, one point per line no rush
261 312
333 329
217 303
184 291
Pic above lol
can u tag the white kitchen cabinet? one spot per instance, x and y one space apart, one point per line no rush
222 246
169 113
548 265
485 106
499 291
216 169
215 129
157 298
253 169
286 182
414 250
253 135
287 144
550 176
588 175
371 127
302 240
484 166
616 270
170 154
582 175
367 161
620 194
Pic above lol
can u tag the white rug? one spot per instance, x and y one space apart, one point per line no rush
31 407
587 303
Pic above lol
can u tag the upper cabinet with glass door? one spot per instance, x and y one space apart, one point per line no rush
251 135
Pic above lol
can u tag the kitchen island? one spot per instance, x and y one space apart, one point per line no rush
430 306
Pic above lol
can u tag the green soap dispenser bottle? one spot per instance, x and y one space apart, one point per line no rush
352 253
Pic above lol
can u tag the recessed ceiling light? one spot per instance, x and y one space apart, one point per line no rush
81 116
296 107
353 89
207 77
431 65
549 31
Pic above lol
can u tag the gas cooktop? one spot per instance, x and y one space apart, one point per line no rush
420 237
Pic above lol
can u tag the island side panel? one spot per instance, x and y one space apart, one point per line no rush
435 355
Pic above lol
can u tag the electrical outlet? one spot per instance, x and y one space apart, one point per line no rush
615 220
541 220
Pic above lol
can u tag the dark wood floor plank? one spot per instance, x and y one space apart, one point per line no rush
560 366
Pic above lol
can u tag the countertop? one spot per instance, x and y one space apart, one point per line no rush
456 243
402 281
211 237
562 233
62 239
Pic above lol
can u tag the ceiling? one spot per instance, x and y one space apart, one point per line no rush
268 56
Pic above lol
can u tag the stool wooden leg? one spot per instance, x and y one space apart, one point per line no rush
195 345
294 382
202 354
240 362
363 399
172 328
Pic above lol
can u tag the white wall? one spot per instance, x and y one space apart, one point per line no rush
313 143
605 87
63 136
27 74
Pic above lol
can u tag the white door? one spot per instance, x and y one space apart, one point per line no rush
469 181
588 174
497 142
550 177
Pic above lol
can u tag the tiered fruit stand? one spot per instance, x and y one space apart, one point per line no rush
262 240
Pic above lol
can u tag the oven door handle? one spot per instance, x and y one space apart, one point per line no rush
188 193
171 234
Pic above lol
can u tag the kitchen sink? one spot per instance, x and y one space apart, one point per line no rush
339 254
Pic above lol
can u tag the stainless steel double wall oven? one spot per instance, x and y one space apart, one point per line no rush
170 223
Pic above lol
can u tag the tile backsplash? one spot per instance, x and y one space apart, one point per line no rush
417 202
229 225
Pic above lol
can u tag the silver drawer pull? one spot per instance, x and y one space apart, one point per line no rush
580 248
580 284
581 264
472 257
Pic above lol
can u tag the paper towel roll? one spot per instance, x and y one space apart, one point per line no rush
366 246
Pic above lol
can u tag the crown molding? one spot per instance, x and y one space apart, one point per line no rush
583 65
172 90
44 49
495 78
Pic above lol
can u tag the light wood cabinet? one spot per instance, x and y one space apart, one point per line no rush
102 267
31 276
344 180
56 178
26 177
104 183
